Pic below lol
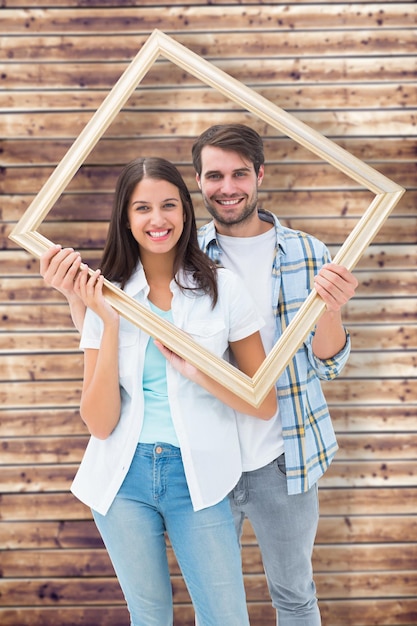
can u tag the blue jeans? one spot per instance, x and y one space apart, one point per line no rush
285 528
154 498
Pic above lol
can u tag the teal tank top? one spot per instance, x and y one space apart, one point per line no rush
157 423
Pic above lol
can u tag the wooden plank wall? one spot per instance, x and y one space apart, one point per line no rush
348 70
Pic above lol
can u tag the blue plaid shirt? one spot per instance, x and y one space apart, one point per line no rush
309 439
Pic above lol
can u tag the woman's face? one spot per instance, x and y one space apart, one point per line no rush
156 216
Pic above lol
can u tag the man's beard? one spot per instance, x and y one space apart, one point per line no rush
247 211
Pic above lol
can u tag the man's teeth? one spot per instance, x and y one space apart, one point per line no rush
160 233
229 202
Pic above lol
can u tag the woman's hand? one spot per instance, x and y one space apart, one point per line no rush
89 287
181 365
254 353
59 268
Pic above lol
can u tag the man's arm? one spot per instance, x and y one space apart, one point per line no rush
336 286
59 268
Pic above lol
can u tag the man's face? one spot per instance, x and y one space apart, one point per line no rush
229 185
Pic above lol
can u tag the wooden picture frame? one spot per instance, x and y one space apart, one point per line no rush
387 194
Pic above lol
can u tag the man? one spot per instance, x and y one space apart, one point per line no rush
282 458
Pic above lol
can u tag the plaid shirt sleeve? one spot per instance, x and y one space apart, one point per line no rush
328 369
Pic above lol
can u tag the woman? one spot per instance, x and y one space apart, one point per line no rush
164 451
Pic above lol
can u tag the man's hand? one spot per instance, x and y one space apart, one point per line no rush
335 285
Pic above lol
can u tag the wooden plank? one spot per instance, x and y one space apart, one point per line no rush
341 474
369 474
294 203
343 502
389 391
52 315
32 367
33 477
394 612
347 560
38 421
332 123
200 18
140 3
75 616
65 393
364 338
212 45
106 590
279 176
34 421
35 451
332 232
38 506
311 97
365 529
43 394
54 449
252 72
380 364
387 337
39 342
377 418
48 316
66 591
69 366
367 500
369 612
384 446
57 563
20 152
376 258
81 535
41 535
379 311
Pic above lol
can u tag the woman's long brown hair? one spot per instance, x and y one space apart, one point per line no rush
121 250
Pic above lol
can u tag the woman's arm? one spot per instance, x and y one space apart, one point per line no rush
100 397
249 354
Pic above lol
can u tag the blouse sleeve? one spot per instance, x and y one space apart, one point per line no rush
92 331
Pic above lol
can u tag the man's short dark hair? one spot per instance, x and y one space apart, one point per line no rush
234 138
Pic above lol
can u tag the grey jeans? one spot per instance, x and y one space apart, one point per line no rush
285 527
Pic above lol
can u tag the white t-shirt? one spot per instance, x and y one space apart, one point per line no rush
206 428
251 258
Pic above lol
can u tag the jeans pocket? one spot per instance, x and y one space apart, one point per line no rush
280 465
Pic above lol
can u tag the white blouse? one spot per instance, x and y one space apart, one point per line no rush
206 428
